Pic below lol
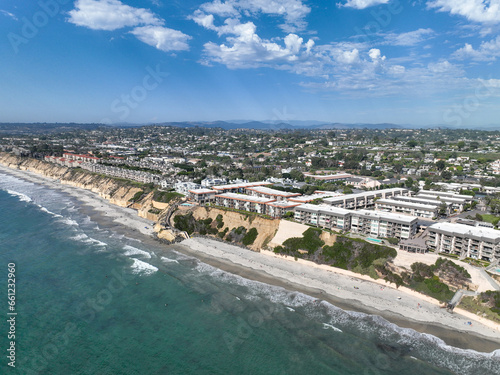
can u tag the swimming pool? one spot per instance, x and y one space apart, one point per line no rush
374 240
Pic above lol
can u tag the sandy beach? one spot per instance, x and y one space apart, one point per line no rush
345 289
119 215
376 296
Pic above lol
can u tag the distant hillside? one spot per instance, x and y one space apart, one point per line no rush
33 128
43 127
270 125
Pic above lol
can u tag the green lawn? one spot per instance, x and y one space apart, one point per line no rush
489 218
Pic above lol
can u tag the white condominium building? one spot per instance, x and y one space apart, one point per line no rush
408 208
465 241
383 224
365 199
372 223
323 216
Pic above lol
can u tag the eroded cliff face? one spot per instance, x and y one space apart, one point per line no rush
117 192
121 193
266 228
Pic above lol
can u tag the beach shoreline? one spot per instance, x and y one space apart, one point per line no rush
349 292
323 282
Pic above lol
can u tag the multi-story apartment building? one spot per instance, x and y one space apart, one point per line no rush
239 188
366 199
323 216
454 204
278 208
317 195
407 208
465 241
202 196
447 194
427 201
243 202
383 224
265 192
372 223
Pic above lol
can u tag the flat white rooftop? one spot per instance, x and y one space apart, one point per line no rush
392 202
202 191
241 186
445 194
283 204
467 231
422 200
244 197
269 191
324 209
365 194
443 198
309 198
385 216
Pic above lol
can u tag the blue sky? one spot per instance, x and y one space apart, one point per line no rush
406 62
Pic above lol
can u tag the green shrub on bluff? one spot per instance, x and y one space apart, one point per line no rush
348 254
165 196
250 237
309 241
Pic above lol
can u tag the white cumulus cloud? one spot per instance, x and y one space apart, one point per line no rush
376 55
245 49
293 11
162 38
410 38
110 15
483 11
487 51
362 4
113 14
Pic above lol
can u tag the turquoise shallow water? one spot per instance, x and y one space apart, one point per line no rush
94 301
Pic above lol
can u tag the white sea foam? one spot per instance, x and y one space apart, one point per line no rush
22 197
181 256
130 250
289 308
49 212
69 221
168 260
140 267
82 237
97 242
327 326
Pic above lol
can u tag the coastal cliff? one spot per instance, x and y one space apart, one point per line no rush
117 192
228 225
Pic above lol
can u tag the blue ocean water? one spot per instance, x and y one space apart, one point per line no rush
91 300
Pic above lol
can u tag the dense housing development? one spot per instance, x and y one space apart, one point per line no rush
385 183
